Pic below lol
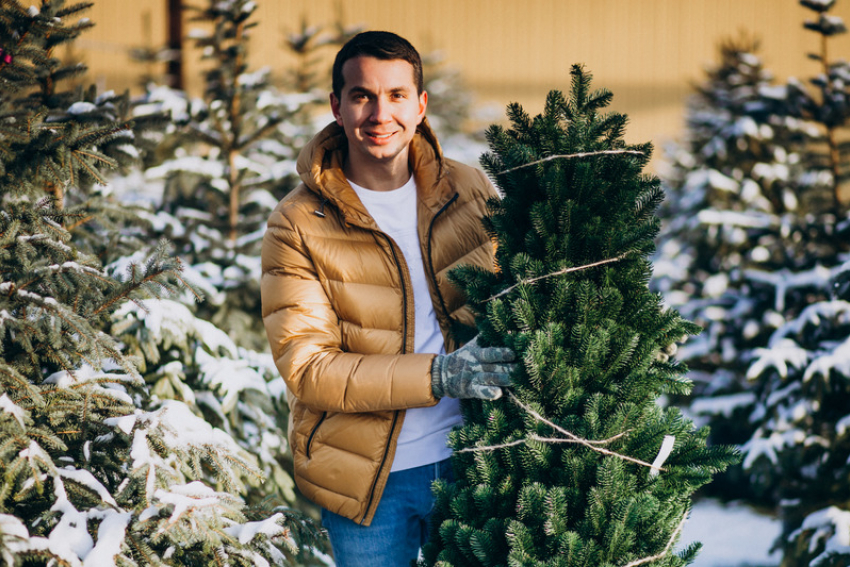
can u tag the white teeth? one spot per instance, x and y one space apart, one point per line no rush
381 135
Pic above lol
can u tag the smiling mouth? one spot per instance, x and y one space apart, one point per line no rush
381 136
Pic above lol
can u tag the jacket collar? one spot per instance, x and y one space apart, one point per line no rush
320 165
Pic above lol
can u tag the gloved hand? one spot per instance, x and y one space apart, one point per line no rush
472 371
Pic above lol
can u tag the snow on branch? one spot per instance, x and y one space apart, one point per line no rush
785 280
750 219
838 310
507 290
830 525
581 155
823 365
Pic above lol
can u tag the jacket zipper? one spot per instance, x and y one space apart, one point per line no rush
403 351
403 295
381 467
431 260
313 433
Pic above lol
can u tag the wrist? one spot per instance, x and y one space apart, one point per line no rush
436 376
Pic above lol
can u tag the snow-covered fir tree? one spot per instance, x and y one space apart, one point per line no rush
56 94
756 249
93 473
733 185
577 465
230 159
236 146
748 208
800 447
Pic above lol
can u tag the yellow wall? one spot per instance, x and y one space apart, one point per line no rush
647 51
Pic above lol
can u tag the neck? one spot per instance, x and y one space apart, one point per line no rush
385 177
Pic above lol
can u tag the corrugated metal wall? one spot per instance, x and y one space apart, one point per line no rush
647 51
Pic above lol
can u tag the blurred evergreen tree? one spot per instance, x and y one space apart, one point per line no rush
578 464
309 44
800 447
758 245
449 98
90 473
233 149
226 164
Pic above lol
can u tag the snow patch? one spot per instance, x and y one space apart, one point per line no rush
270 527
831 524
8 406
731 534
110 535
81 108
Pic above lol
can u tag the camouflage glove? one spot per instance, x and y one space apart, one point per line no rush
472 372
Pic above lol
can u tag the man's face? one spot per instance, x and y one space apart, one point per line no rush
379 108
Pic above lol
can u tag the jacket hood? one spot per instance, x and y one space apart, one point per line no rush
320 165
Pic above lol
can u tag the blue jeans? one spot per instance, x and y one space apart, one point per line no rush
399 527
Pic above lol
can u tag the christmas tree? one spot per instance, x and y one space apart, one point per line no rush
732 183
229 160
801 444
754 232
233 150
577 464
91 474
799 448
772 293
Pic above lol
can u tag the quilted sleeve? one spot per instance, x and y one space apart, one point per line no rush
305 338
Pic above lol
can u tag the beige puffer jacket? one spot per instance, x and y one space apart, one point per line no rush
338 309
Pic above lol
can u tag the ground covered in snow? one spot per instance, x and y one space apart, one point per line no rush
733 535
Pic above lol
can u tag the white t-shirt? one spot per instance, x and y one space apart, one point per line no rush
422 440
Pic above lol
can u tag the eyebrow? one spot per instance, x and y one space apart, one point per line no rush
363 90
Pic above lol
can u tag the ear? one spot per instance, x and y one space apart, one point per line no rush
423 104
335 108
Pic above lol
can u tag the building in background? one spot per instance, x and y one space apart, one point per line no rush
648 51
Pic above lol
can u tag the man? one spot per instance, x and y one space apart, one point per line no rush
358 307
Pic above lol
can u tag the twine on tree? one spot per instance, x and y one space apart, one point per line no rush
573 156
507 290
667 548
595 445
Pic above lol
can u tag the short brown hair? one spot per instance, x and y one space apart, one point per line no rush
380 45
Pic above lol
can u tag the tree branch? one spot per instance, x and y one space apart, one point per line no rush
667 548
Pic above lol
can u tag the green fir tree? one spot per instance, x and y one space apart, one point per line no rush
799 447
766 272
569 467
226 164
235 146
91 474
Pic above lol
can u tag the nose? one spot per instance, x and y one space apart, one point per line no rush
380 111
